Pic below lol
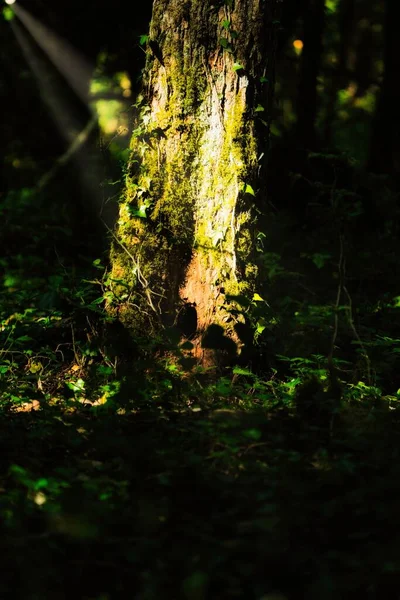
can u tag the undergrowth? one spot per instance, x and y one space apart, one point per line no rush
128 470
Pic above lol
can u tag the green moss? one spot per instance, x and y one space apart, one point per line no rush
186 167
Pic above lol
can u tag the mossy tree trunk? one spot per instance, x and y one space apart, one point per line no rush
188 222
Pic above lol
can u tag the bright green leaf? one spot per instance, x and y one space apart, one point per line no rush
41 483
257 298
139 212
260 327
76 386
241 371
98 301
247 189
8 13
237 66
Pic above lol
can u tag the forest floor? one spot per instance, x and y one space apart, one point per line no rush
192 505
202 497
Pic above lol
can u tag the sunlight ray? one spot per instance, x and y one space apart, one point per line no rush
72 130
67 124
76 69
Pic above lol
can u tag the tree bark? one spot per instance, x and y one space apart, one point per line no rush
185 240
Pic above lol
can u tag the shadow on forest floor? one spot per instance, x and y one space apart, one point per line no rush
200 505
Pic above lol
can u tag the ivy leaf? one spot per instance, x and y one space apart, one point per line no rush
259 108
224 42
35 367
264 79
237 66
226 24
319 260
260 327
257 298
76 386
139 212
247 189
143 39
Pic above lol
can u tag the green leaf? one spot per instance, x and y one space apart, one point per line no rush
8 13
320 259
11 281
257 298
97 263
143 39
97 301
247 189
260 327
226 24
264 79
259 108
41 483
224 42
241 371
76 386
35 367
237 66
139 212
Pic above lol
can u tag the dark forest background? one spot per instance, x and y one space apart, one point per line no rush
126 471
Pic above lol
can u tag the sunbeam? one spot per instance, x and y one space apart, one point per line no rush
66 123
76 69
73 132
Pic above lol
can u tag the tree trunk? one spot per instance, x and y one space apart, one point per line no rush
186 233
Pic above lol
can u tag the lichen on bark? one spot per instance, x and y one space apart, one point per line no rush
196 146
